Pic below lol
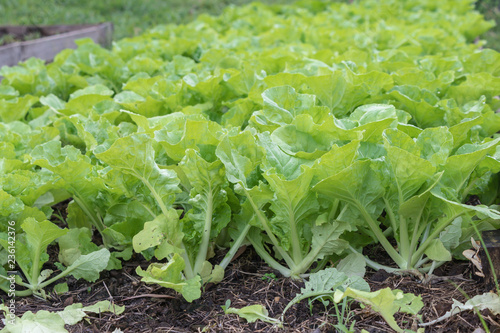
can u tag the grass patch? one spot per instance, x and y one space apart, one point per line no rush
132 17
491 11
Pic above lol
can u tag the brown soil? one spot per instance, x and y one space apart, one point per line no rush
248 281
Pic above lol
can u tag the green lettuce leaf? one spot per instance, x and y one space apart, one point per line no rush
170 276
386 302
252 313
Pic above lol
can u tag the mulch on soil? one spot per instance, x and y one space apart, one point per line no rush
249 280
150 308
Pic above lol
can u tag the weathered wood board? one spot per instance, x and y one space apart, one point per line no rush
59 37
492 242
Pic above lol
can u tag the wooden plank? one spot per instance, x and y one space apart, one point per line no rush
19 31
10 54
47 48
492 244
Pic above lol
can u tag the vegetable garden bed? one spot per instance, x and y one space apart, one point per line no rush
249 281
307 134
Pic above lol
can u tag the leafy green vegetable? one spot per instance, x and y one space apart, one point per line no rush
302 130
288 195
252 313
490 301
46 321
185 242
170 276
385 301
31 254
419 185
323 285
336 285
79 176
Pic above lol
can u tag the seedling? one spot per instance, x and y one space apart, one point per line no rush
269 277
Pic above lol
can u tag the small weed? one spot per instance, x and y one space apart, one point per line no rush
58 215
269 277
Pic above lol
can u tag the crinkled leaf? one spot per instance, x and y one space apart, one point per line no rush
490 301
38 237
356 184
135 156
241 155
324 283
169 275
185 133
385 301
46 321
164 231
208 196
252 313
40 322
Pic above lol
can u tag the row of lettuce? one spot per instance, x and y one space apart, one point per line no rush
306 131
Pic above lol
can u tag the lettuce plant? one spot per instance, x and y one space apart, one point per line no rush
31 253
337 285
55 321
302 130
184 241
419 183
280 203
